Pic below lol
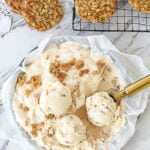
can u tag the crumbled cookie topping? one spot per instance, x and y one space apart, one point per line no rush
66 66
61 76
100 64
35 81
79 64
20 105
34 132
21 79
83 72
55 69
50 116
34 125
27 92
26 108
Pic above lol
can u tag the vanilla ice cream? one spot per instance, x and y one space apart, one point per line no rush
71 130
101 109
56 99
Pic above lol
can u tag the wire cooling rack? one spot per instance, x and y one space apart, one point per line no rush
125 19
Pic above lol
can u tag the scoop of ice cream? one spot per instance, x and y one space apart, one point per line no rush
56 99
90 84
71 130
101 109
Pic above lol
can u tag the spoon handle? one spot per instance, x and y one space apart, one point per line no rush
133 88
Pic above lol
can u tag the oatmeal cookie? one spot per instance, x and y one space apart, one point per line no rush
42 14
95 10
15 5
140 5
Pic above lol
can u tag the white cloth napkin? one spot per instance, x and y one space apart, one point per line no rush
5 24
5 18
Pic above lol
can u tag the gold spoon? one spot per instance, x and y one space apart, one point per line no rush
132 89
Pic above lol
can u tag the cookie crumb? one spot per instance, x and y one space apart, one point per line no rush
27 92
50 116
34 132
35 81
21 79
83 72
20 105
26 109
79 64
66 66
100 64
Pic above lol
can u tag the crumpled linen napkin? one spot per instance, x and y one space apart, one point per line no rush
5 18
5 24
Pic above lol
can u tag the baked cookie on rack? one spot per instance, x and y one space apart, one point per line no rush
42 14
15 5
140 5
95 11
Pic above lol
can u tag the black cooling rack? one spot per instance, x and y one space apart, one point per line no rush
125 19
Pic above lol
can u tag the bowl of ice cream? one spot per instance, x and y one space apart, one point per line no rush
59 96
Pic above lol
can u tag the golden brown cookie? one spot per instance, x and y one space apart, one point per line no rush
140 5
15 5
42 14
95 10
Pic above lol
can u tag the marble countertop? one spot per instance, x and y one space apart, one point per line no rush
17 43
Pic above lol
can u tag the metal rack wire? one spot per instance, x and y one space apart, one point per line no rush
125 19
